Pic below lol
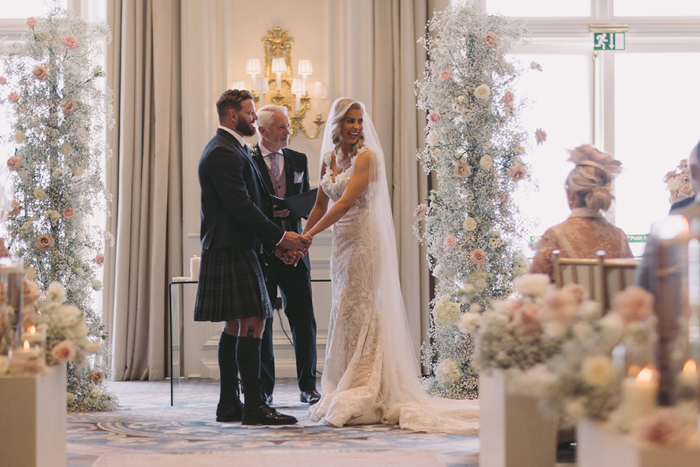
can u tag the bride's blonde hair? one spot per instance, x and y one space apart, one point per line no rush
342 108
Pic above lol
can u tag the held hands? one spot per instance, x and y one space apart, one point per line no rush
294 241
289 257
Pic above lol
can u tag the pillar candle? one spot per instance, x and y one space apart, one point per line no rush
639 397
194 267
687 393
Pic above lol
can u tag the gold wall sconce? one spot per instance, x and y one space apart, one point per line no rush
274 83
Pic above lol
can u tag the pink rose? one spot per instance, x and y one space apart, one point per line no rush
69 213
70 41
100 259
68 106
64 351
508 98
504 197
559 306
445 75
420 212
477 256
15 208
31 21
3 80
526 319
450 241
45 242
540 136
517 172
577 291
490 40
463 170
434 117
14 163
31 293
96 376
41 73
633 304
13 97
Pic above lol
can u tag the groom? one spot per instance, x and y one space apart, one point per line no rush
235 211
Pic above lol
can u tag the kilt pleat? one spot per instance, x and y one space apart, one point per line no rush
231 286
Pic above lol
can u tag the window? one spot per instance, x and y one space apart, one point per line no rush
639 104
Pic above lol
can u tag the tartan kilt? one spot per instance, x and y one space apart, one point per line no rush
231 286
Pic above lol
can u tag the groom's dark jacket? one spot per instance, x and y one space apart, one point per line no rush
236 207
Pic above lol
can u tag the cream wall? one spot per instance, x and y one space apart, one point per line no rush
219 36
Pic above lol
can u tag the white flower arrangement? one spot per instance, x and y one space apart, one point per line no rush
52 97
471 133
582 379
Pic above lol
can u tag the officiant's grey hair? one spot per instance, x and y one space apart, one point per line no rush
265 114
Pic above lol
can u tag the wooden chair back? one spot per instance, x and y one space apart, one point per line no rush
602 277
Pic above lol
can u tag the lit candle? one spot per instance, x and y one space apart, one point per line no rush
34 337
194 267
27 351
687 393
639 397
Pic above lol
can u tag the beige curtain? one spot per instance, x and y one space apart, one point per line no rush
398 61
145 179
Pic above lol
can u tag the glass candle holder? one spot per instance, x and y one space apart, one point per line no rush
12 283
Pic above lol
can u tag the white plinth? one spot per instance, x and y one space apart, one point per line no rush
33 419
514 432
599 446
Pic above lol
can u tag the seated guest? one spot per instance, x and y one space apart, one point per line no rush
589 191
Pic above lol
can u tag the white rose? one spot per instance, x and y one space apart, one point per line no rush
469 224
555 329
65 149
56 292
582 331
40 194
78 171
469 323
590 310
597 370
97 284
79 271
433 138
93 347
79 235
486 162
69 397
448 372
575 408
30 274
518 149
532 284
20 137
446 312
58 172
461 100
482 92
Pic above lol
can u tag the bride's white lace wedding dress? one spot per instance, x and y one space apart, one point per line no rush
366 380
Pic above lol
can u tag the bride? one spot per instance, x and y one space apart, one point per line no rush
371 374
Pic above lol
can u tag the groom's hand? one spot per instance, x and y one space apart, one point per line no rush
294 241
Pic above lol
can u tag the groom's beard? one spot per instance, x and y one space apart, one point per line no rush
245 128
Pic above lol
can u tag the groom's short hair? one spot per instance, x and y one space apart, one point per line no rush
231 99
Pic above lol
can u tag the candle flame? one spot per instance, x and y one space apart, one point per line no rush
646 374
690 367
32 330
26 345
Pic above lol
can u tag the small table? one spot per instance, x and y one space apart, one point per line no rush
172 374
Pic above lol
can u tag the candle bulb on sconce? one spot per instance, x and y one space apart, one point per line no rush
320 92
298 88
260 87
238 85
252 68
279 67
305 69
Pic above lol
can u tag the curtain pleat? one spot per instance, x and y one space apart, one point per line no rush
147 202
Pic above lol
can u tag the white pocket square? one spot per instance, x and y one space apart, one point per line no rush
298 177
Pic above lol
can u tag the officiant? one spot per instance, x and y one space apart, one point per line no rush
286 173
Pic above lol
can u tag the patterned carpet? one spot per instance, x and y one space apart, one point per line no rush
147 431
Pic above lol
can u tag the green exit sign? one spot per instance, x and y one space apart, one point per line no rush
608 41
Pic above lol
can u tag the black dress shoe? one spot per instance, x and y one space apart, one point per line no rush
265 415
229 413
310 397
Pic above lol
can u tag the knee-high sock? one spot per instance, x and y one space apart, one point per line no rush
228 369
248 357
